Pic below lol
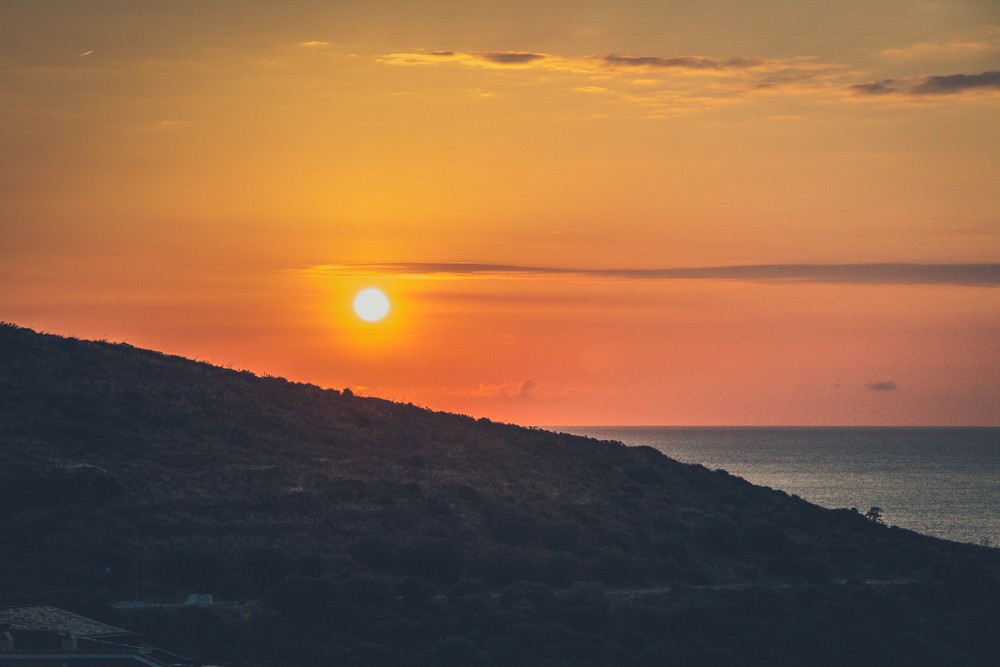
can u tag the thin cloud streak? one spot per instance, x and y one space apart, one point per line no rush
883 385
594 64
674 83
937 49
681 62
973 275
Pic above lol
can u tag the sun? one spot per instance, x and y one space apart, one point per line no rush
371 304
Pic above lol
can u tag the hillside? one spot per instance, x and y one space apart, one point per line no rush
125 471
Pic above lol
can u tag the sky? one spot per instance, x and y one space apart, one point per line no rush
782 212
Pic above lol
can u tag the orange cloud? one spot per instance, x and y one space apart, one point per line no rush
688 83
939 49
602 64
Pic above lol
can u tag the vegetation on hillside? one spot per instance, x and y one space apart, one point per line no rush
380 533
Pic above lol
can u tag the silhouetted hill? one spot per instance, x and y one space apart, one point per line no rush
455 536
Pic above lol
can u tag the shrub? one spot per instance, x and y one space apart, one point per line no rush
511 526
414 590
498 564
266 566
191 568
558 568
766 537
72 485
585 606
614 566
361 591
539 596
453 652
439 560
378 553
719 533
305 599
467 586
559 535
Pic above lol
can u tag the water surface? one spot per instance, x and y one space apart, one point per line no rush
938 481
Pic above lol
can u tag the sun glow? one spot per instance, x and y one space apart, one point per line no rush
371 304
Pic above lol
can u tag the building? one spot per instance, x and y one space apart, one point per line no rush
45 636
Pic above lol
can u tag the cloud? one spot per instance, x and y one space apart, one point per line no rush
956 83
691 83
884 385
978 275
681 62
652 86
509 389
884 87
524 388
602 64
950 84
511 58
491 59
942 49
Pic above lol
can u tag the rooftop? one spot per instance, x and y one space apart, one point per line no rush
44 617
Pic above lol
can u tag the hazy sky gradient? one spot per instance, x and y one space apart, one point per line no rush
678 213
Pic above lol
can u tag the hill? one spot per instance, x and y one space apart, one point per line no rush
383 533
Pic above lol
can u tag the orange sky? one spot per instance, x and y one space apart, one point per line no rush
217 180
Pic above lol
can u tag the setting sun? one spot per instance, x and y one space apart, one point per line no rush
780 213
371 304
364 305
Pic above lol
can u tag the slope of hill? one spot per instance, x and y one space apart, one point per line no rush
382 533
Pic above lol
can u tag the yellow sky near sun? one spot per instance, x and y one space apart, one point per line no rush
172 175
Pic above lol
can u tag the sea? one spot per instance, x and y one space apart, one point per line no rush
943 481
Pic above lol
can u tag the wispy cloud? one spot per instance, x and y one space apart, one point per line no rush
602 64
682 62
663 85
882 385
511 389
939 49
950 84
652 86
512 58
491 59
980 275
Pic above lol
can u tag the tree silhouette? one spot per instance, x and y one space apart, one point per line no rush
874 513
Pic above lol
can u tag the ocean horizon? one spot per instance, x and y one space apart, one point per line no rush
939 481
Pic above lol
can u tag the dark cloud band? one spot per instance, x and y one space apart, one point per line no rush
511 57
980 275
681 62
931 85
956 83
884 385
